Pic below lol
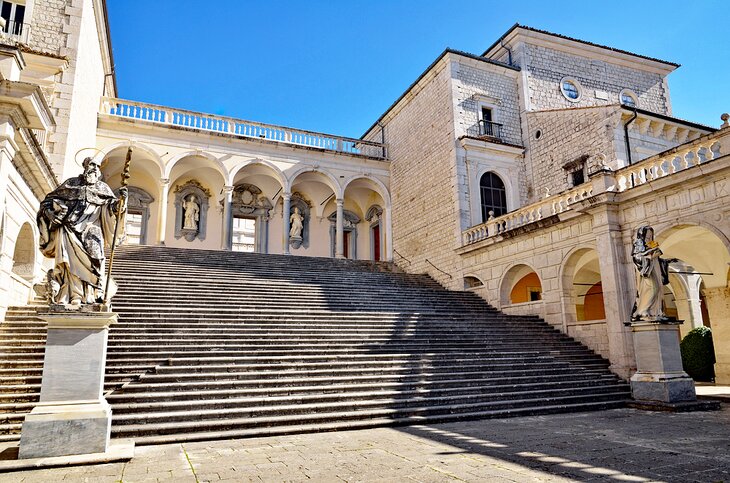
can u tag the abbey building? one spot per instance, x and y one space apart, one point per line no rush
521 173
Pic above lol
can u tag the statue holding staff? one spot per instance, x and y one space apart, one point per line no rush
653 274
76 221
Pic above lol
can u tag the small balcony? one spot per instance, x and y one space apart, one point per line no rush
14 30
490 130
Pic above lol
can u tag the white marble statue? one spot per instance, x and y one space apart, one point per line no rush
75 222
653 274
297 226
191 211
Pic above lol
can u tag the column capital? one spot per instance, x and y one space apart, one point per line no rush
286 195
340 201
164 180
228 189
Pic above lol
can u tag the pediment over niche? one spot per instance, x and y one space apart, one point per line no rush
193 183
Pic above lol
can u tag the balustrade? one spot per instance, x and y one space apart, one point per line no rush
237 127
674 161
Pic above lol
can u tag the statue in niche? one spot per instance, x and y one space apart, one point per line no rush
297 226
653 274
76 221
192 213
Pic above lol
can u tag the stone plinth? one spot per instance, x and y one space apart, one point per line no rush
659 376
72 417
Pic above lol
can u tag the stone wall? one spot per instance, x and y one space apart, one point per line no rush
49 26
475 81
601 81
420 137
565 136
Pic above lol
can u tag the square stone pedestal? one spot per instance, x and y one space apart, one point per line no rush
72 417
660 376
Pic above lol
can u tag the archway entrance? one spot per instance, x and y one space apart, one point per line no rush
699 285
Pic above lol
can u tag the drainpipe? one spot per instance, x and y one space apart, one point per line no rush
382 136
626 136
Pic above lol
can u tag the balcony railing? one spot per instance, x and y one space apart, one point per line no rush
664 164
490 129
167 116
15 30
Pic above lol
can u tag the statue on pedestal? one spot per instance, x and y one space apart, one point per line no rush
76 221
653 274
192 213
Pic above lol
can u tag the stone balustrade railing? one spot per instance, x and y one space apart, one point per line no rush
527 214
238 127
664 164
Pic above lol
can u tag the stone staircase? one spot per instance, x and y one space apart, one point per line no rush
213 344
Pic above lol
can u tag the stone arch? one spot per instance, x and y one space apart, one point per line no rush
471 281
579 274
103 154
374 216
519 276
329 179
24 254
708 269
201 154
377 186
276 173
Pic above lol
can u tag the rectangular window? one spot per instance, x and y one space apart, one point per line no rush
578 177
486 114
13 14
244 235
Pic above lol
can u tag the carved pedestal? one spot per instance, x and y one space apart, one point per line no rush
73 417
660 376
295 241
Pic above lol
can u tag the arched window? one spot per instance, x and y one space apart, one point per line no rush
494 196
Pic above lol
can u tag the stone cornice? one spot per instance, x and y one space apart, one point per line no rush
474 144
30 100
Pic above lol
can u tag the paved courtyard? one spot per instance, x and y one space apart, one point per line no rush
622 445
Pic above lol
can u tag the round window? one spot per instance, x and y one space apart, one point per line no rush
570 89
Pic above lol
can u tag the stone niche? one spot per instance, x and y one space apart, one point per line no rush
248 201
305 208
183 193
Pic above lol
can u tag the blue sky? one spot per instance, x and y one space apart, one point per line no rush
336 66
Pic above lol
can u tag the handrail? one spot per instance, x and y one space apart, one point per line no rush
238 127
400 255
437 268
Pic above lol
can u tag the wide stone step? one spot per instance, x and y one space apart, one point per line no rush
160 392
169 423
305 404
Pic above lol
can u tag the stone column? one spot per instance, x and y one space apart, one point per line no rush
72 417
659 374
718 306
617 290
162 215
388 226
285 222
339 230
7 153
227 241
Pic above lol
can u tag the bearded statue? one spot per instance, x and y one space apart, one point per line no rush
76 222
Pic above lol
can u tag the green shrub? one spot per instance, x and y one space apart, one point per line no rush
698 354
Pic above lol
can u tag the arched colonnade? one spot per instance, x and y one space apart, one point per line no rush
240 204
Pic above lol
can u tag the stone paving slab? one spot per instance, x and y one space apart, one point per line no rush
622 445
